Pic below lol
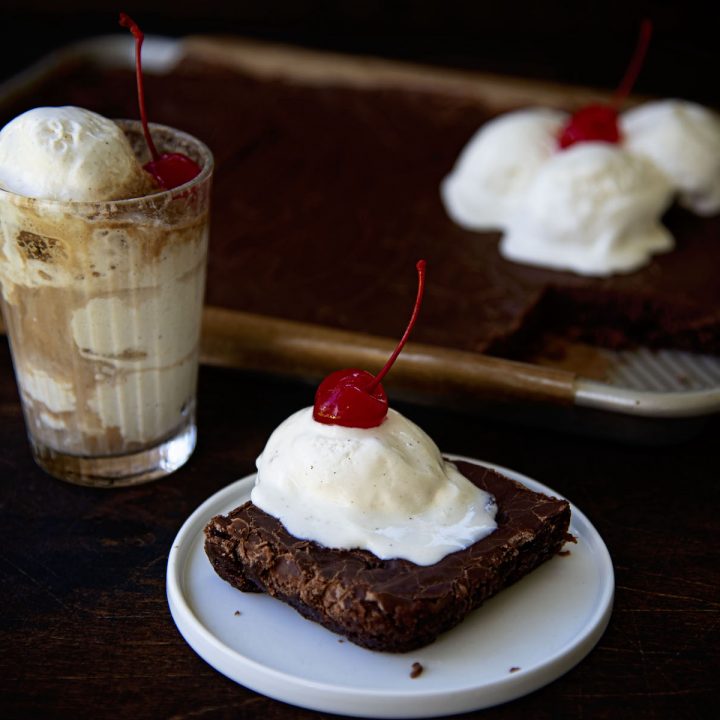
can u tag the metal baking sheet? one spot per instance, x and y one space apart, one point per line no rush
667 385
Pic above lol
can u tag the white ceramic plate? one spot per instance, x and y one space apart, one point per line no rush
522 639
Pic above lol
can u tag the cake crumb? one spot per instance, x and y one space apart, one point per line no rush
564 553
416 670
341 640
514 668
237 612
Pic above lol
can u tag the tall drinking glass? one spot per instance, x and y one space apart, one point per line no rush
102 303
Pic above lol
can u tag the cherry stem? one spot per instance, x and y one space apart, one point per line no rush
418 300
636 63
127 22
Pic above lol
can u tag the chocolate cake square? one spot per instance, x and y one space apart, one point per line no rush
389 605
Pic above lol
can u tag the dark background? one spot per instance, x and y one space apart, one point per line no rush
585 43
84 627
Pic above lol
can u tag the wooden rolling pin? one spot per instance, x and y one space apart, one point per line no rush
247 341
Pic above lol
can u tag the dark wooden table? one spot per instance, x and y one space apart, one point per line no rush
86 630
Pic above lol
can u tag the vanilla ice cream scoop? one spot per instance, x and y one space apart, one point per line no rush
593 209
69 154
489 180
683 140
385 489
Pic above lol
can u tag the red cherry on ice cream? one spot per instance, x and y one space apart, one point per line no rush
599 123
170 170
343 398
593 122
355 398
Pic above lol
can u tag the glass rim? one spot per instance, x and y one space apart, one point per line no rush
205 172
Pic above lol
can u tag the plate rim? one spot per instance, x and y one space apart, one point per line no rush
333 697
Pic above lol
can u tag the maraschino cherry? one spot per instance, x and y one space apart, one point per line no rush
355 398
600 122
170 170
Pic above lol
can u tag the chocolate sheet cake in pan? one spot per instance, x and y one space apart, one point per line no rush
327 192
